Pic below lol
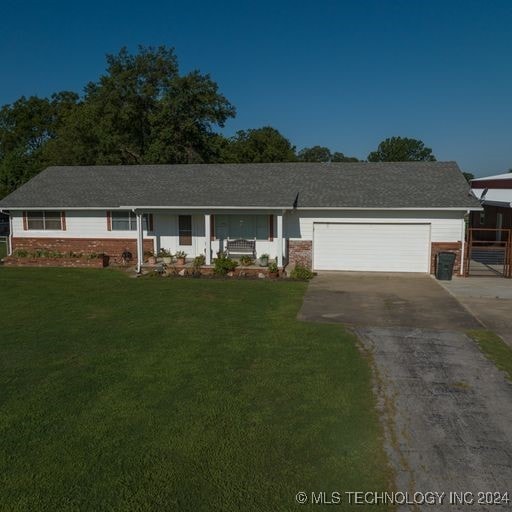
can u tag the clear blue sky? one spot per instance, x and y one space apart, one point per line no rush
341 74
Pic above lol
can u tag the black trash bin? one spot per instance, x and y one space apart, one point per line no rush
445 262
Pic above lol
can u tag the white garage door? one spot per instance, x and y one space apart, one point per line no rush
371 247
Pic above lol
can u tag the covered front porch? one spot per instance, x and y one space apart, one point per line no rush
197 233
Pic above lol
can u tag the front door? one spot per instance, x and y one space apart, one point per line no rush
185 239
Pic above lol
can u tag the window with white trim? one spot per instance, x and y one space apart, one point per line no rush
44 221
242 226
127 221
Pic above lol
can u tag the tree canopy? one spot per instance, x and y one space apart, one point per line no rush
258 145
323 154
401 149
143 111
26 128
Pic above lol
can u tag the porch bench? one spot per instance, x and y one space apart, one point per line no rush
241 247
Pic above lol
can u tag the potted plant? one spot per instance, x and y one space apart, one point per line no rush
180 257
165 255
151 258
264 260
273 270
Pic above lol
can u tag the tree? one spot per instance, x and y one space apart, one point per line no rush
26 127
401 149
182 129
323 154
468 176
315 154
143 111
258 145
340 157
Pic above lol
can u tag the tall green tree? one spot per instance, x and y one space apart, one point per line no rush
337 156
314 154
401 149
26 127
256 145
323 154
143 111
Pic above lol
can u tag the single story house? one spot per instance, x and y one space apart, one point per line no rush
495 194
326 216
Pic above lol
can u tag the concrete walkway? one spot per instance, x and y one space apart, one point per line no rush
489 299
446 410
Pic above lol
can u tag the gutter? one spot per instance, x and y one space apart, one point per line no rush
264 208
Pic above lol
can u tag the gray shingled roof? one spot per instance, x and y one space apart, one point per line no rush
348 185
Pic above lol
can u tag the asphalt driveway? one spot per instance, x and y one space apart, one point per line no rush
446 410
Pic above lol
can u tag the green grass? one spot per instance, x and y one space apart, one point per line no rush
494 349
122 394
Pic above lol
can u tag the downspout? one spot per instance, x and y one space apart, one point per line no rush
139 241
463 241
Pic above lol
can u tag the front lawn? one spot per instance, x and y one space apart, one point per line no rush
121 394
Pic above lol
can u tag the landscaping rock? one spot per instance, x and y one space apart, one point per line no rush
261 275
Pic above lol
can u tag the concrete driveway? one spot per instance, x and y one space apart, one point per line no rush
446 410
489 299
380 299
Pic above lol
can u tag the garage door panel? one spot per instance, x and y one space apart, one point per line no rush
371 247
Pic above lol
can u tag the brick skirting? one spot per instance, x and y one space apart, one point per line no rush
113 247
11 261
300 252
437 247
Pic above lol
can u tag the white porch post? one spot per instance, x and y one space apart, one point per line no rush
207 238
280 240
140 243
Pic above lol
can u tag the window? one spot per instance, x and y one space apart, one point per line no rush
127 221
185 229
242 226
482 218
44 220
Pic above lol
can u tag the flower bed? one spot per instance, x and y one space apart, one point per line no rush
189 270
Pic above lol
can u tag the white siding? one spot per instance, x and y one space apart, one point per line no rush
446 226
79 224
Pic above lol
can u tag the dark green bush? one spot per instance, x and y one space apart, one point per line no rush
199 261
223 264
300 272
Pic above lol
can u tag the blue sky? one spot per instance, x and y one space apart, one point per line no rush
341 74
